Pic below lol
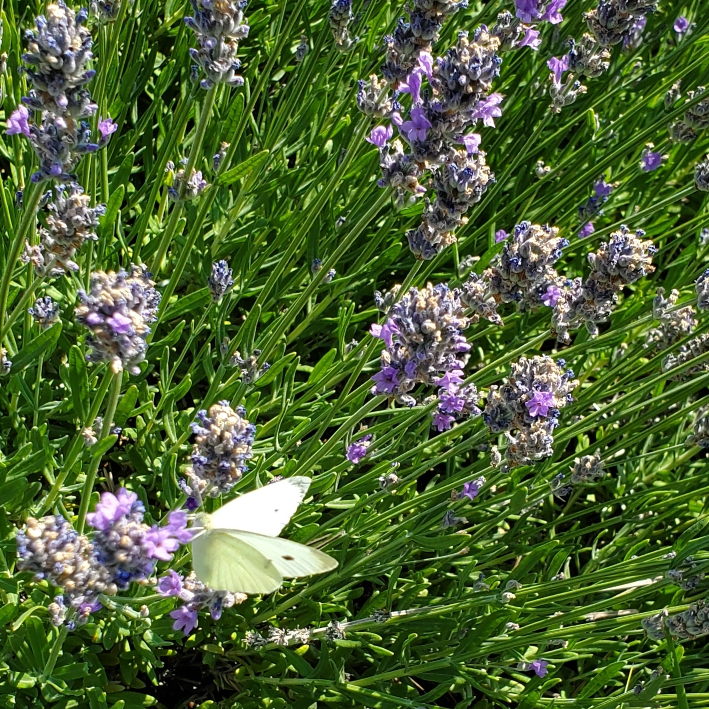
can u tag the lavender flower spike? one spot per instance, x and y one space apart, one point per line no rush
222 446
219 27
117 310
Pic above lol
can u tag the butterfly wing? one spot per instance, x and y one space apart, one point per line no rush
289 558
265 510
224 563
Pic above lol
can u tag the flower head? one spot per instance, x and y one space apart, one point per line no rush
107 127
540 403
551 296
586 230
488 109
357 451
539 667
185 619
417 126
558 66
223 440
500 235
116 310
531 39
650 160
18 122
380 135
220 281
170 585
472 488
681 25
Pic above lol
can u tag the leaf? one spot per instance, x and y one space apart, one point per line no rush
112 209
233 116
271 373
125 406
31 464
34 348
322 367
79 381
98 450
247 166
192 303
122 176
12 490
601 679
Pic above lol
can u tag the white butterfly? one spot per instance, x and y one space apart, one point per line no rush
238 549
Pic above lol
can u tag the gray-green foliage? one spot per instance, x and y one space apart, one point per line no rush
591 565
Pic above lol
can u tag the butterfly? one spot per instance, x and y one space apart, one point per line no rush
237 548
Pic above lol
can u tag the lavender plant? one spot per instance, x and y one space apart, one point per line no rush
447 259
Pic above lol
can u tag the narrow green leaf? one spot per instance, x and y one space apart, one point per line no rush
34 348
249 165
79 381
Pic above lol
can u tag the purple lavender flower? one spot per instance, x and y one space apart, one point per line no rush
386 381
450 379
384 332
530 10
111 507
586 230
488 109
650 160
170 585
412 86
106 127
417 127
380 136
531 39
159 543
539 667
185 619
472 488
602 188
450 402
425 61
18 122
558 66
500 235
357 451
681 25
177 526
551 297
471 142
442 421
552 13
540 403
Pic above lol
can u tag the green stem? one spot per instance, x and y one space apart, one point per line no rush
21 306
76 448
56 649
677 672
115 395
14 252
195 151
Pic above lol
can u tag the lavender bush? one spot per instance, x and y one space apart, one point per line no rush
446 258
